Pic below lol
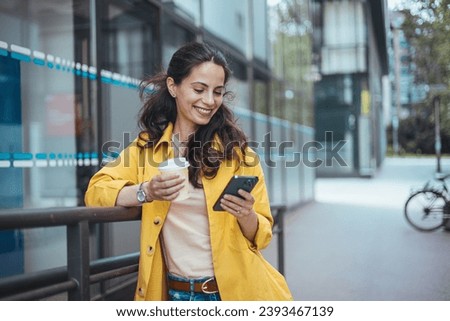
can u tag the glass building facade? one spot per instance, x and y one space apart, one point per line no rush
351 54
69 75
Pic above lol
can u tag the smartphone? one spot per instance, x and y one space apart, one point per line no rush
234 185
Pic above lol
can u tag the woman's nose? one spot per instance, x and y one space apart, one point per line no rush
208 98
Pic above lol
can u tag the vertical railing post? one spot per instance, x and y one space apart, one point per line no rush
279 230
280 216
78 260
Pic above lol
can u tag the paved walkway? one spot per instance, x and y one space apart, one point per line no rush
353 242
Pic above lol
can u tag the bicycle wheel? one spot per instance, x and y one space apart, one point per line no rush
424 210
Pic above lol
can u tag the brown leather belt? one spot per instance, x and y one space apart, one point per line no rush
209 286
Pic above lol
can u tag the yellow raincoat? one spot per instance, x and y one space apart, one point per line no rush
240 270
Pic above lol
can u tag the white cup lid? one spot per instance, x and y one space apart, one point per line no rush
174 163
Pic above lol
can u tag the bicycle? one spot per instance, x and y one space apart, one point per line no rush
428 209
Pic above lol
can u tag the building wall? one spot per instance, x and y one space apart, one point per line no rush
80 66
375 77
348 97
344 38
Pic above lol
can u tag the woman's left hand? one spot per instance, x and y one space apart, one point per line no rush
242 209
237 206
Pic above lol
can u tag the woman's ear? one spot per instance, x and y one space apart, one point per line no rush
171 86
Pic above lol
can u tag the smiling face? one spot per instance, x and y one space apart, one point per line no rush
198 96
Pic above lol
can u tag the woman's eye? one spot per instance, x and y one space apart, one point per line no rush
198 91
218 93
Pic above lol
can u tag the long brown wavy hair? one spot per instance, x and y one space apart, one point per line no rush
160 109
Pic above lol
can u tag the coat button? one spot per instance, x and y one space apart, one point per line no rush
150 250
141 292
157 220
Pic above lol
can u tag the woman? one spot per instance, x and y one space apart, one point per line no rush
188 250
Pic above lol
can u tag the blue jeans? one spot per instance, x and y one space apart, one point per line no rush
175 295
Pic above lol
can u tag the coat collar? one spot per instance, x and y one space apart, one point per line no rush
165 138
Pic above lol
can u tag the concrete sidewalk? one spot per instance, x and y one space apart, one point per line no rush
353 242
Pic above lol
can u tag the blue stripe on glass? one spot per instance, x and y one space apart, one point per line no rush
39 62
22 156
5 156
111 155
53 156
58 66
20 56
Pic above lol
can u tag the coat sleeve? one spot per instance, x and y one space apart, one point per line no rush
105 185
262 205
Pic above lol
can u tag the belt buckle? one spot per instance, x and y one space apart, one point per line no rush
205 287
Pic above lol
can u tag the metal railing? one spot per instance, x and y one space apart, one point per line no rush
278 228
80 273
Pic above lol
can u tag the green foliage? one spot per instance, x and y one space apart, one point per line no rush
416 135
427 27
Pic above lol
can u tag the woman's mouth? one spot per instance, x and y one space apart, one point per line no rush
204 111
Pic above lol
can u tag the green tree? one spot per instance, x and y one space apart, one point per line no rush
427 28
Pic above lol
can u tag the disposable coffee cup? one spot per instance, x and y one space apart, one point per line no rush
178 166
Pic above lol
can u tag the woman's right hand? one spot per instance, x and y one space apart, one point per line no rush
163 187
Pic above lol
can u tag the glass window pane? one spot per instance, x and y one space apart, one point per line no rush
228 20
47 150
260 30
46 61
129 35
173 37
260 100
130 50
238 84
291 43
188 9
